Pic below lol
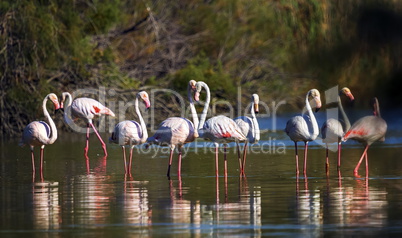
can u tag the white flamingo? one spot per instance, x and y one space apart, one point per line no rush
297 128
250 128
333 130
87 109
218 129
177 131
131 132
39 133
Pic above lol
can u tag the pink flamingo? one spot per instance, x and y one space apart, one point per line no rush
333 130
87 109
131 132
250 128
218 129
298 129
367 130
177 131
39 133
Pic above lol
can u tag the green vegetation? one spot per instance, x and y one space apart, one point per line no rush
277 48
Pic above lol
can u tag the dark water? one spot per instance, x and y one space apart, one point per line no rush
269 201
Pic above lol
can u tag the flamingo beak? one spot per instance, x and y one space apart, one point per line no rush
197 96
317 103
256 109
350 96
147 104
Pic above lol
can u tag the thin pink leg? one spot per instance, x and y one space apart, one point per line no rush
41 163
305 158
179 164
216 160
297 160
100 139
225 161
239 157
33 163
355 171
130 161
87 163
244 157
326 160
367 167
124 160
87 142
170 161
339 155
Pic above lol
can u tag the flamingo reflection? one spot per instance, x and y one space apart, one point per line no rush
46 206
136 209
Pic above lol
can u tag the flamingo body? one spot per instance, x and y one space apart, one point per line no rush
222 129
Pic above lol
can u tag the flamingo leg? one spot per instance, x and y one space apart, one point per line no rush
179 164
305 158
367 167
238 156
225 161
125 160
339 155
216 159
297 160
130 161
33 163
355 171
41 161
244 157
170 161
87 142
326 160
100 138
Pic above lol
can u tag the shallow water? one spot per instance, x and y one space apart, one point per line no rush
80 201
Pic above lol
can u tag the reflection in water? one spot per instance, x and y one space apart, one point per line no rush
46 207
136 209
218 218
349 207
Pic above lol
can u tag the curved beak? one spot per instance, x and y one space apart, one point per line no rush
317 103
197 96
256 109
350 96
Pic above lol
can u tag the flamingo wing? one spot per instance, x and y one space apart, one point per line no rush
174 131
126 132
368 130
332 131
246 126
222 128
88 108
36 133
297 129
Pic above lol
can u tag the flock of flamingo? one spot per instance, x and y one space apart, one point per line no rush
177 131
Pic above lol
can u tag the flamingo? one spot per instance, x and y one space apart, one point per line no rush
87 109
297 127
177 131
333 130
249 127
131 132
218 129
367 130
39 133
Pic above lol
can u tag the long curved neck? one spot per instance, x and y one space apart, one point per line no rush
193 111
206 105
53 136
142 122
314 124
67 109
256 131
343 114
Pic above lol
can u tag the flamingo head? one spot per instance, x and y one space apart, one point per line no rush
256 99
55 100
144 96
376 107
198 88
192 84
63 99
315 95
346 91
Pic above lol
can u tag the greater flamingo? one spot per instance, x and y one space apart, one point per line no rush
87 109
367 130
39 133
297 127
218 129
250 128
333 130
177 131
131 132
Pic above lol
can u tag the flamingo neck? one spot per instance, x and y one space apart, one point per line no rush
313 121
67 109
256 132
144 136
193 111
53 128
343 114
206 105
